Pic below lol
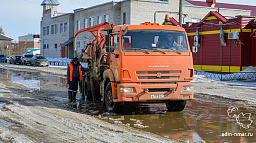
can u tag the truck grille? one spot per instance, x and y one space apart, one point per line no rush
158 74
155 72
163 77
159 90
157 83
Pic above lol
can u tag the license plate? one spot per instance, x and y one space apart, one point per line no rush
159 96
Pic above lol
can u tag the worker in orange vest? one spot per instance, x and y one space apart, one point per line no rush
74 75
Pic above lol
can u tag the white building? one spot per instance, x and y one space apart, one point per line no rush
122 12
56 30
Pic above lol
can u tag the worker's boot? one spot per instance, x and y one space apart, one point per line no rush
74 99
70 97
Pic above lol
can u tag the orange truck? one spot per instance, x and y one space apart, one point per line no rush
149 63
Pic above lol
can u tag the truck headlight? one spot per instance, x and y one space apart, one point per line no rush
126 89
188 88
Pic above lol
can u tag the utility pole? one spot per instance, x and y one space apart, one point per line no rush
180 13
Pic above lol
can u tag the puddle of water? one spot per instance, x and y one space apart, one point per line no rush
36 81
2 104
25 79
206 121
4 123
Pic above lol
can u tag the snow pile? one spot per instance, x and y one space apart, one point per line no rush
249 69
249 74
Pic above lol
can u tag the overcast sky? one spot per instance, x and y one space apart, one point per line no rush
20 17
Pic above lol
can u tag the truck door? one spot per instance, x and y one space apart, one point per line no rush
115 58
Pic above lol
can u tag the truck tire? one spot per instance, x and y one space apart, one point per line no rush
175 105
108 99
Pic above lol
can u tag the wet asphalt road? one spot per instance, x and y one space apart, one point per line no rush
204 118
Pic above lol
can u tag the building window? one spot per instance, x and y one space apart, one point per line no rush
65 27
124 18
47 46
56 28
106 18
56 46
99 19
47 30
52 29
78 25
61 27
44 46
90 22
44 30
85 23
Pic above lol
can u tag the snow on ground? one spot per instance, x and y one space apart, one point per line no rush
246 77
240 90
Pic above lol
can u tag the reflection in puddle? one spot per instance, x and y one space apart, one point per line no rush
35 80
155 119
4 123
211 120
206 121
25 79
2 104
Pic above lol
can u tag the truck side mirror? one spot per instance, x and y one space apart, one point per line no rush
196 42
194 49
124 31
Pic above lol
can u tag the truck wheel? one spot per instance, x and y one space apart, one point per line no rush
175 105
110 104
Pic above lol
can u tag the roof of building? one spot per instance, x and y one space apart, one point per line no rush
226 5
50 2
215 14
186 3
212 15
5 38
81 9
28 35
67 42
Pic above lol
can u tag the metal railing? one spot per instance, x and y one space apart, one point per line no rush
227 75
